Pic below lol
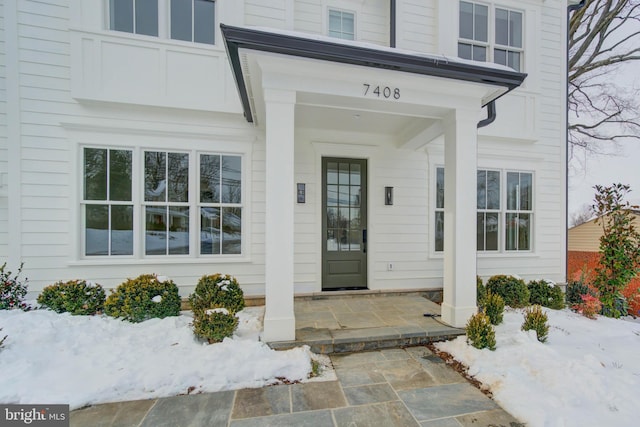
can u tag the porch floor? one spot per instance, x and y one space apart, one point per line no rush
350 322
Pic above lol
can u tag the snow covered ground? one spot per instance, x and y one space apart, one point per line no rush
83 360
586 374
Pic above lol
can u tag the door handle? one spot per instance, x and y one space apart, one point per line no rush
364 240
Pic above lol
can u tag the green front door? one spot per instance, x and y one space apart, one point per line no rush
344 223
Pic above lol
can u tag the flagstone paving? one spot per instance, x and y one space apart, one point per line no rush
386 388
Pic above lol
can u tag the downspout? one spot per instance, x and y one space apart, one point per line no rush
570 8
491 115
392 24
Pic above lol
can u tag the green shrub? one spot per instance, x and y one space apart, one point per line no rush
217 291
494 308
513 291
12 290
480 333
74 296
143 298
545 294
535 319
575 290
214 324
481 292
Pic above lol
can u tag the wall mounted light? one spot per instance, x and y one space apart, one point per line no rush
388 196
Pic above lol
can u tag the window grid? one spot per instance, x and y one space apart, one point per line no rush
519 211
341 24
488 205
479 41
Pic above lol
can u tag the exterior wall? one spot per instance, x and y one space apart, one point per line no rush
79 84
585 237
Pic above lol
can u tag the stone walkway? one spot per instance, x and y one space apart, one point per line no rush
386 388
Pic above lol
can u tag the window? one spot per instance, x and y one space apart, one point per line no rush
193 20
501 43
220 204
341 24
488 225
519 211
134 16
166 203
190 20
182 203
107 202
492 215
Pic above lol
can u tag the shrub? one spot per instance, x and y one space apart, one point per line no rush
535 319
589 306
143 298
73 296
545 294
214 324
480 333
217 291
576 289
513 291
481 292
12 290
494 308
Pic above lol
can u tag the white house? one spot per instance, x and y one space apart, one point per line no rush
299 145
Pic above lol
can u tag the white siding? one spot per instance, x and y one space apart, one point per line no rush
267 13
4 224
418 25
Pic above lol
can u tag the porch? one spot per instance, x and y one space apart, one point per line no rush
350 321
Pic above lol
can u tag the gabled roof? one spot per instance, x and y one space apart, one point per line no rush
354 53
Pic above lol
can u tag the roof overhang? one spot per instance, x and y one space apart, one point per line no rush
353 53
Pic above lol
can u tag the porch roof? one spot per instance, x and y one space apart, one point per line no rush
355 53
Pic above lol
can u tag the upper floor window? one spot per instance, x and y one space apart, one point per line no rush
190 20
341 24
500 43
134 16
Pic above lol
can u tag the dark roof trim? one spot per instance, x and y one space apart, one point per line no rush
236 38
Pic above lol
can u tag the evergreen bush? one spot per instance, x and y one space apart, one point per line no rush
513 291
215 291
494 308
535 319
480 333
481 292
575 290
545 294
143 298
74 296
214 324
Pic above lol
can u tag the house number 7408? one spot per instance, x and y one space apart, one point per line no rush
381 91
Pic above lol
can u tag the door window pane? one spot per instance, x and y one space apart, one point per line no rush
439 241
440 188
332 173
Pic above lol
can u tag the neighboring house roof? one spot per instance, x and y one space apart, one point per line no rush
586 236
354 53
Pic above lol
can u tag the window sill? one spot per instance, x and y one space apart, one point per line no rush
173 260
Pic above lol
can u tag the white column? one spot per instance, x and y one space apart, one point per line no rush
279 320
460 164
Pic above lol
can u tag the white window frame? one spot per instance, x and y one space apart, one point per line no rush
502 213
486 211
139 204
164 23
491 44
330 9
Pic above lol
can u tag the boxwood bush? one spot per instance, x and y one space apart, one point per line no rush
481 292
480 333
214 324
143 298
494 308
513 291
535 319
74 296
217 290
545 294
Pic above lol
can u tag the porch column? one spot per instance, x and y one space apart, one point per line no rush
279 320
460 176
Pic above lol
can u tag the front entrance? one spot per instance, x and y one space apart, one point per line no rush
344 223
